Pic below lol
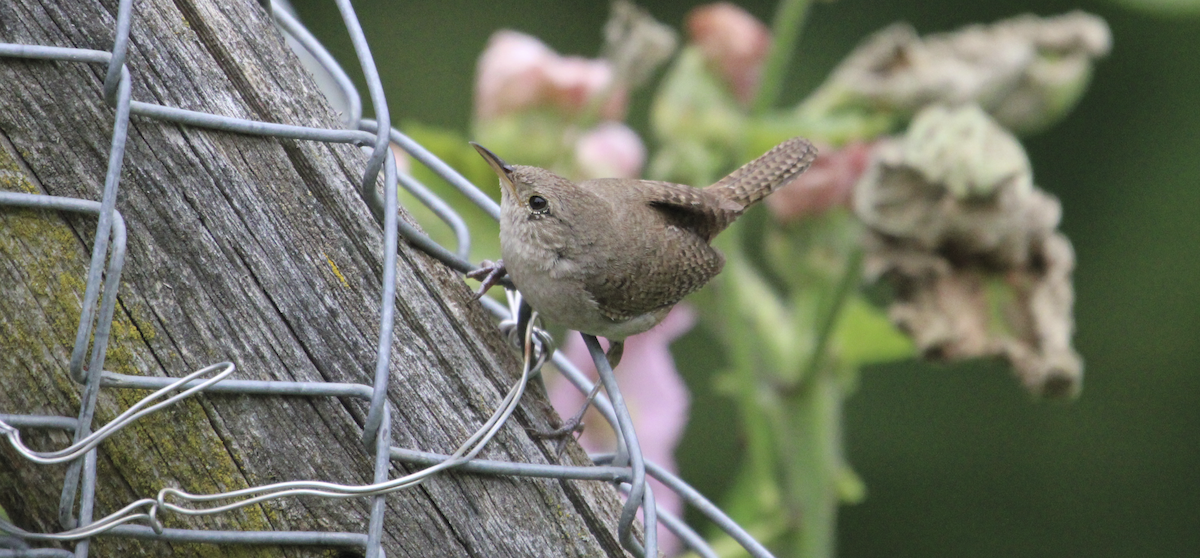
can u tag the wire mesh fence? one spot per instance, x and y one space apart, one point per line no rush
141 519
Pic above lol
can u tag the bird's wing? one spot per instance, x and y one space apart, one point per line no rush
669 258
693 209
661 276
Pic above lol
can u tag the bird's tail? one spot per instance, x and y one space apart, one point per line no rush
758 178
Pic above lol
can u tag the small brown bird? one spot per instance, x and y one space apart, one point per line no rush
610 257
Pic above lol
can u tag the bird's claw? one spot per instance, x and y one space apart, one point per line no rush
562 434
489 274
568 428
575 423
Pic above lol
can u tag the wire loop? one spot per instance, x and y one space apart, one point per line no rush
517 324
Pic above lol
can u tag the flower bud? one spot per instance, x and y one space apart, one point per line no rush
572 82
734 44
827 184
610 150
517 72
509 75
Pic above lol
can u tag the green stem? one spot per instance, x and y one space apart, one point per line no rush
743 344
815 409
849 281
816 414
785 30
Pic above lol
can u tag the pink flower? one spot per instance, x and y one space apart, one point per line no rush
610 150
734 43
657 398
518 72
402 163
573 81
824 186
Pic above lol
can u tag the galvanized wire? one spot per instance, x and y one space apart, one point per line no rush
627 468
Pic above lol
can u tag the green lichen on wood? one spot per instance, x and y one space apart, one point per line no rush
50 264
11 177
42 311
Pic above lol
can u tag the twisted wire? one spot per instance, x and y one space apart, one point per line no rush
627 468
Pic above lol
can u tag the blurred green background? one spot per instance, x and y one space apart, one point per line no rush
959 461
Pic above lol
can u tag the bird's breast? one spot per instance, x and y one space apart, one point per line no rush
551 275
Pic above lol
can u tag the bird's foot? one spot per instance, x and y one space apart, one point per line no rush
566 432
575 424
489 273
569 428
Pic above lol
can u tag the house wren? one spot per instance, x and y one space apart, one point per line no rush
610 257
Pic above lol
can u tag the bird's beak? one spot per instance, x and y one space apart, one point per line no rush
504 170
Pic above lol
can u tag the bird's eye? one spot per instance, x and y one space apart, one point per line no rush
538 203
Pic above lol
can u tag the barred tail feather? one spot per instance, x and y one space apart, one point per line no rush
758 178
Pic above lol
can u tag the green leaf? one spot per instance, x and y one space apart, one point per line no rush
865 335
699 125
850 487
753 501
835 128
452 147
781 347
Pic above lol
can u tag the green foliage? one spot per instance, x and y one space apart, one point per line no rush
865 336
453 148
788 309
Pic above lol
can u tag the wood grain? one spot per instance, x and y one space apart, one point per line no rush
258 251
